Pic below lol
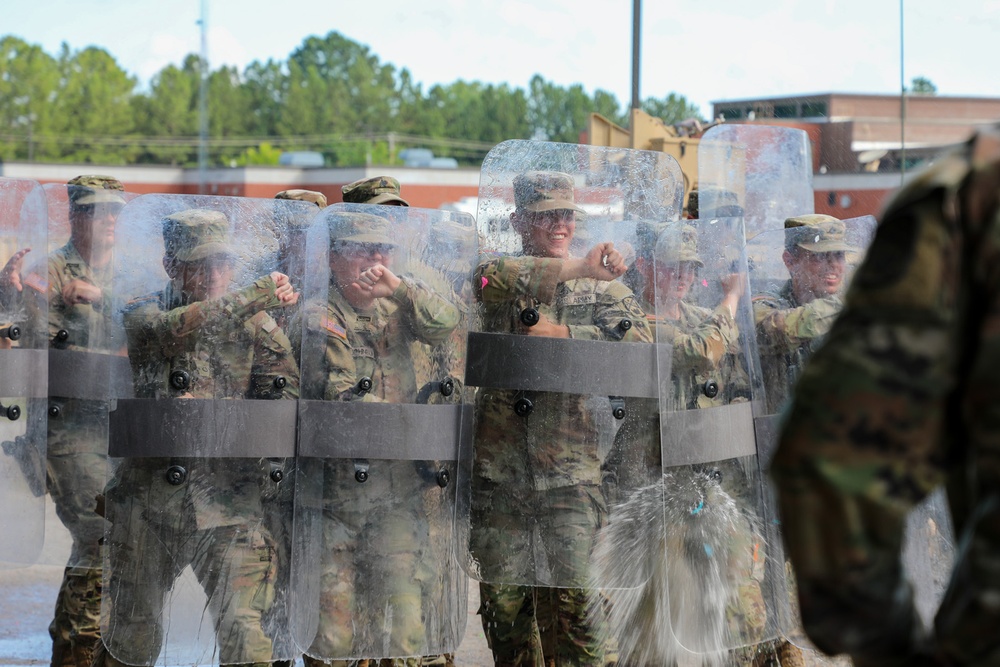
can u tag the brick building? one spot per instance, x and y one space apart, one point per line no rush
857 141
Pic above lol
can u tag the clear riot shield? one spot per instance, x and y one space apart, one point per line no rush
23 362
375 570
84 346
201 433
561 354
763 170
797 294
716 547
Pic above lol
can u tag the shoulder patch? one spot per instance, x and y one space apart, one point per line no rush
334 329
142 301
36 282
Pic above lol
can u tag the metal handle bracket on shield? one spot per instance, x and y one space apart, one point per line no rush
13 332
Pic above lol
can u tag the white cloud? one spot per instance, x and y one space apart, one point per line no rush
161 50
225 49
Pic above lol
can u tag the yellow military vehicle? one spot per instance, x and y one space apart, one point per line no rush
651 134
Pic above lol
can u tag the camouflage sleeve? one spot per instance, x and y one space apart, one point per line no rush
703 349
274 373
155 327
339 370
505 279
56 304
788 328
431 316
873 411
615 304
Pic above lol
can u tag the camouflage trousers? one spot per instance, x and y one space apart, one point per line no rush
527 625
366 662
102 658
235 566
76 627
372 565
76 471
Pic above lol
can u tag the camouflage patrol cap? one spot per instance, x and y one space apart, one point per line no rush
377 190
537 191
351 227
816 232
89 189
195 234
682 246
317 198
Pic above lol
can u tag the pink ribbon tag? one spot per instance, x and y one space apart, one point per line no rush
704 283
485 281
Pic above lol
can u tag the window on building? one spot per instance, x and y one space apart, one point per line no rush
785 111
814 110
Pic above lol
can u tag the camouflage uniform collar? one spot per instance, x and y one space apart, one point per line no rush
73 256
786 293
171 298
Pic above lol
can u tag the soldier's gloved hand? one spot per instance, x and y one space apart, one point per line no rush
284 290
80 291
10 276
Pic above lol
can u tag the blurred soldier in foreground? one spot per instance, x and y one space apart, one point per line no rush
901 399
197 340
374 529
382 190
79 316
540 470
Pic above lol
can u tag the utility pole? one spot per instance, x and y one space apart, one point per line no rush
203 103
636 39
902 103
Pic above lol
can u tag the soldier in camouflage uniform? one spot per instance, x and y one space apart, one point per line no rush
706 372
899 400
227 347
792 321
374 534
438 364
291 230
382 190
79 318
529 466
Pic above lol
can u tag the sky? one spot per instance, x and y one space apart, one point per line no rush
706 50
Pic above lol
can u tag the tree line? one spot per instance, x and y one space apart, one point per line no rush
332 95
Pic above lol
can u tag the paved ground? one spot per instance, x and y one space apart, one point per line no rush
27 597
